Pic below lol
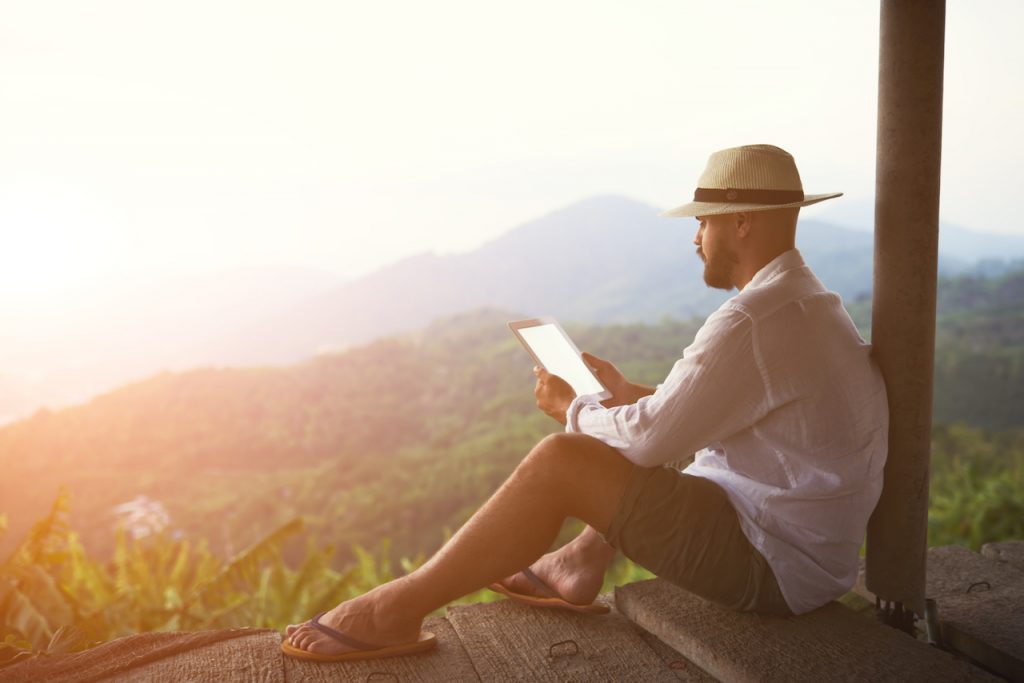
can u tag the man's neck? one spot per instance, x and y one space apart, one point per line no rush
746 269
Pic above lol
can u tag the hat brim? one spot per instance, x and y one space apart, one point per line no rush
715 208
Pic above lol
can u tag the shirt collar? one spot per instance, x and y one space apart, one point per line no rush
787 260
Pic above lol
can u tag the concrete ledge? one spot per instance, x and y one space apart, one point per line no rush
1010 552
231 655
508 641
830 644
981 607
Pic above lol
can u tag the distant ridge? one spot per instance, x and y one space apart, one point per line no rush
607 259
602 260
960 247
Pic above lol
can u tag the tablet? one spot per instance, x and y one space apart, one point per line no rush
552 349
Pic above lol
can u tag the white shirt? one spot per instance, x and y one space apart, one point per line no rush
786 411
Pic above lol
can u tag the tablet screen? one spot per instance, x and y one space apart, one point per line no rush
553 349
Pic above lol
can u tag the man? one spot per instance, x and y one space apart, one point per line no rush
777 396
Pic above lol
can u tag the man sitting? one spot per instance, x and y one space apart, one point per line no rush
777 396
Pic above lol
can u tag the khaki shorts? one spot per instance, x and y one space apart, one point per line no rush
685 530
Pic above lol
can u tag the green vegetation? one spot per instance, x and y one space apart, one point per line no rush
977 486
979 350
56 598
401 440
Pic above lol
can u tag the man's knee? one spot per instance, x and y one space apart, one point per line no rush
588 475
567 454
565 447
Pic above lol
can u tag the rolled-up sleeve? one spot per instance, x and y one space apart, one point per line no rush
716 389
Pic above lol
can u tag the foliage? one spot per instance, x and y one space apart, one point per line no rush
362 443
31 601
979 349
977 486
55 597
400 439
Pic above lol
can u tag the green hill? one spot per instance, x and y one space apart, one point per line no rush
405 436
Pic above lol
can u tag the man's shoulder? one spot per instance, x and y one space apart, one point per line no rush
787 287
729 322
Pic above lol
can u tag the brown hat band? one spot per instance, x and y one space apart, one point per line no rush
702 194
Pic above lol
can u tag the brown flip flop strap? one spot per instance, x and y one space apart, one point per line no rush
342 638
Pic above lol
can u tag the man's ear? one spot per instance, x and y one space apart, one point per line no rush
743 219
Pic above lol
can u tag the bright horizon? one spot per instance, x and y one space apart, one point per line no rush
343 137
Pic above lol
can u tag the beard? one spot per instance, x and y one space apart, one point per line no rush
718 269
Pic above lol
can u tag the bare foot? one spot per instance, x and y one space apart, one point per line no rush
575 571
371 618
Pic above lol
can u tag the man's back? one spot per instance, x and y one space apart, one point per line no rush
805 473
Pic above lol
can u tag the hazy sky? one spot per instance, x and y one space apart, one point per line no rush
199 135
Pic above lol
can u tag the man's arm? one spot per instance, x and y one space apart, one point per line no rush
716 389
636 392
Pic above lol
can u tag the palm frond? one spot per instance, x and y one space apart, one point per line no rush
243 572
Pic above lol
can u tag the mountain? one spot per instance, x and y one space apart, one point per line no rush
603 260
960 248
607 259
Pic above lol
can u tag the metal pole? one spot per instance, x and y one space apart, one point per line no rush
903 306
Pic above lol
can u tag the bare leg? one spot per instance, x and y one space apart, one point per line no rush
564 475
575 571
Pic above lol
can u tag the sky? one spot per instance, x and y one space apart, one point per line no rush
145 138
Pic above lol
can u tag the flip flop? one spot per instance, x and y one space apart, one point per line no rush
550 599
363 650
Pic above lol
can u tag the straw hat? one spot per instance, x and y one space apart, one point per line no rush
748 178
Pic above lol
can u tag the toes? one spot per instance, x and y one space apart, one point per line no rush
309 639
298 636
302 640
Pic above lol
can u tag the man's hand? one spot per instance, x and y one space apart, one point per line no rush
623 391
553 394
